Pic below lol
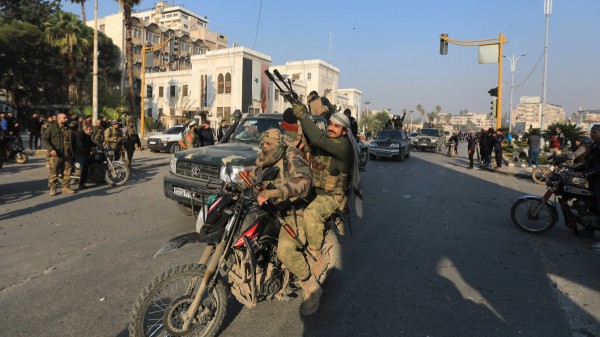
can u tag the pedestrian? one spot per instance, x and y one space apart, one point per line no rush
557 141
16 132
353 124
130 140
83 148
483 145
471 147
58 141
206 134
533 141
190 136
499 140
222 130
105 123
10 123
113 138
490 145
98 134
34 129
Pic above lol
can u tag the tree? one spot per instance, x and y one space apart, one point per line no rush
447 118
126 6
421 110
82 2
571 131
35 12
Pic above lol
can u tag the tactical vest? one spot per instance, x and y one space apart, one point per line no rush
283 176
335 183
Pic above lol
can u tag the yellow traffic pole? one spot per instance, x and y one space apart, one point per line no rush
143 90
499 103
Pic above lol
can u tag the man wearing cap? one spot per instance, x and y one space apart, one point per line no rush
113 138
289 191
190 139
58 141
334 167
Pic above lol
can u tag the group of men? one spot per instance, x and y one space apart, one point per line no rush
317 173
67 141
198 135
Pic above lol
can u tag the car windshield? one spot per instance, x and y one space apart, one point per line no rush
386 134
430 132
251 129
174 130
413 134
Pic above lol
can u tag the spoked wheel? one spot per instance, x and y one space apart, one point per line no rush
118 175
539 175
21 157
533 215
161 307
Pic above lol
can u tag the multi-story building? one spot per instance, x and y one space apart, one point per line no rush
188 32
585 118
529 114
473 121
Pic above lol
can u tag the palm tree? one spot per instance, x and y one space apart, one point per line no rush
82 2
447 118
126 6
421 111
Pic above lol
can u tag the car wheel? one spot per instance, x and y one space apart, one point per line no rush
175 148
408 152
401 155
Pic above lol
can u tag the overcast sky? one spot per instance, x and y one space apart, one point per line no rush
390 49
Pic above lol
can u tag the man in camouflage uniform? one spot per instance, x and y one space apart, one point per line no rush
190 137
334 167
98 134
58 142
113 138
130 140
292 186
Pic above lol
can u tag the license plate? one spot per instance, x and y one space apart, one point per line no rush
152 142
182 192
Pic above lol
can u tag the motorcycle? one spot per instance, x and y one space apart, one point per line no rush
539 174
240 257
102 166
537 214
14 150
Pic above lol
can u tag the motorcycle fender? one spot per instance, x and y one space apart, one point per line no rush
178 242
537 197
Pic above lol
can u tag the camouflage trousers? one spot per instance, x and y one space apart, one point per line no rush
128 155
57 166
315 215
288 250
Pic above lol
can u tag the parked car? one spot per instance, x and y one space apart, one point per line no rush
166 141
390 143
206 166
429 139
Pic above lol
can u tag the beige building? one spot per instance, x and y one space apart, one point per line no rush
475 121
529 114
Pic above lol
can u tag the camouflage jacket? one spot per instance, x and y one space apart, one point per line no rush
113 136
294 180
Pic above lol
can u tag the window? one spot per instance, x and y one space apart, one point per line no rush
160 91
219 112
276 95
184 16
185 26
148 91
296 76
172 91
308 76
220 84
149 112
184 90
228 83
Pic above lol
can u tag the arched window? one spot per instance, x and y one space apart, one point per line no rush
220 84
228 83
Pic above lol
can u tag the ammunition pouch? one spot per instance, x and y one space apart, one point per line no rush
330 180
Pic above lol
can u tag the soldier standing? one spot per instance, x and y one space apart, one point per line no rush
58 142
113 138
34 131
98 134
334 167
292 185
130 140
190 138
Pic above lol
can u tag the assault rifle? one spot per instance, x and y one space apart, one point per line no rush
286 91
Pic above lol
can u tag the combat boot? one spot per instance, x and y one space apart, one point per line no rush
311 291
52 191
67 190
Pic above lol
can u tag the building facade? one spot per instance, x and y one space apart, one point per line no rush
529 114
472 122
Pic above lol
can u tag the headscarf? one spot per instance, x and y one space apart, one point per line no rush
343 120
264 158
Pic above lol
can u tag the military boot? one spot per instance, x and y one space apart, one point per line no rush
52 191
67 190
312 294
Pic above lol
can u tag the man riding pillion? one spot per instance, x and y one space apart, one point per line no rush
290 191
334 167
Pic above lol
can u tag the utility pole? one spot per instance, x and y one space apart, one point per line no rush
547 12
95 67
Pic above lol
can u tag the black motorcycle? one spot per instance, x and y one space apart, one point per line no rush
103 166
537 214
13 150
240 258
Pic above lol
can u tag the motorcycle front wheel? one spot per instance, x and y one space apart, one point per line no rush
159 309
539 175
21 157
118 175
533 215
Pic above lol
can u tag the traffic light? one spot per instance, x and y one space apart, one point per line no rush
494 108
443 44
493 92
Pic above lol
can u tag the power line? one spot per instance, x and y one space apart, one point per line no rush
257 24
531 72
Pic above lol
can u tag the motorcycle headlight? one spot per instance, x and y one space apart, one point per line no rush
235 173
173 165
395 145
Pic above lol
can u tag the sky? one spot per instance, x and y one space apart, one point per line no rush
389 50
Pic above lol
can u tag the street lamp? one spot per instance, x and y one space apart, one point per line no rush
411 113
513 67
547 12
367 104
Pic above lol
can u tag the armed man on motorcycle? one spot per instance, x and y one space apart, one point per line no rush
113 138
334 167
591 170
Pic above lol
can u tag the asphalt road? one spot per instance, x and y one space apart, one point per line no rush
435 255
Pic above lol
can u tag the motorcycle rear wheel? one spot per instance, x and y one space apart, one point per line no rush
522 214
539 175
158 309
119 176
21 157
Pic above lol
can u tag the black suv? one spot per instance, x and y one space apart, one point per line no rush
391 143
